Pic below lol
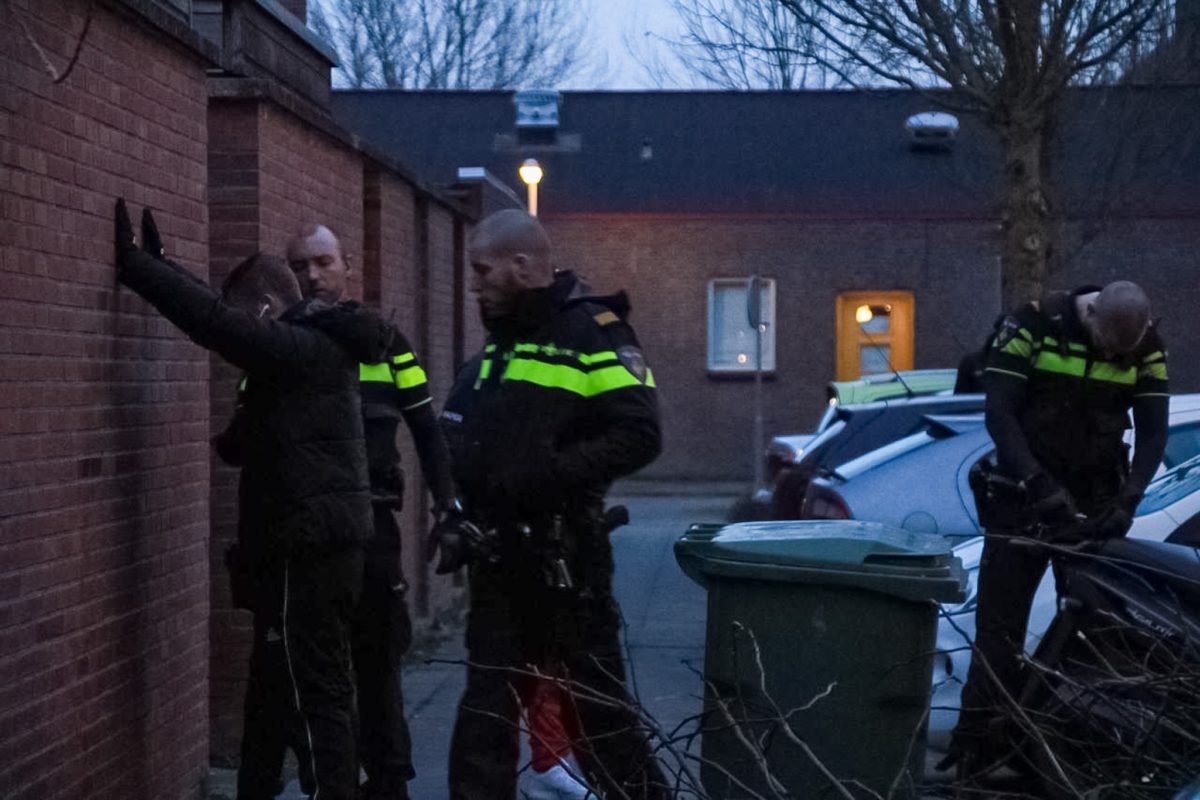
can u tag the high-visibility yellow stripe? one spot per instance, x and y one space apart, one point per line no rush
570 379
551 350
597 358
403 358
1075 347
1156 371
485 369
409 377
1073 365
374 373
1018 347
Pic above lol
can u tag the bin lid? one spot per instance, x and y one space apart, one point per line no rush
866 555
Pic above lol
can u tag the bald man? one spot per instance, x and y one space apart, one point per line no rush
558 405
1062 376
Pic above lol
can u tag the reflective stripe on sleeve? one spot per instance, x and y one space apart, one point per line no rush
410 377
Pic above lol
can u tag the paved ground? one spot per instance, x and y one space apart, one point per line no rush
664 614
665 617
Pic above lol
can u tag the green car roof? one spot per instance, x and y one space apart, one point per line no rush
883 386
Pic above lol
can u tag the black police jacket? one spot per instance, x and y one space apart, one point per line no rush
304 477
559 404
1058 405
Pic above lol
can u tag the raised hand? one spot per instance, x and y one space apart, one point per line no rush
151 240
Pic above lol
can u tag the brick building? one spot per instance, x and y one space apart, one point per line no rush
838 200
121 661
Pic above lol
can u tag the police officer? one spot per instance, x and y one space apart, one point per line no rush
558 405
1061 378
391 390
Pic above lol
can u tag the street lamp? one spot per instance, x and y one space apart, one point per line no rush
531 174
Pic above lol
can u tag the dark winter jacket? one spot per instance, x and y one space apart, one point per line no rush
304 476
1057 405
559 404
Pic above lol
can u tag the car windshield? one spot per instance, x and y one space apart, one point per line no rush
1180 482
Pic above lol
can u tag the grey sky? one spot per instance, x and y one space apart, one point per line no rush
610 23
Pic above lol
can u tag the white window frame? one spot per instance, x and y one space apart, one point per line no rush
731 366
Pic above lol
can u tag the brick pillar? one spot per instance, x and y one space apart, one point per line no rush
234 217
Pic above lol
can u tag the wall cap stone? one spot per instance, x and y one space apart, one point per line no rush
152 13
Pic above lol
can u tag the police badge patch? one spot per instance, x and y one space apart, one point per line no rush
1007 331
632 359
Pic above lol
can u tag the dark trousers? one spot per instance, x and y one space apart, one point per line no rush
1009 575
507 631
382 635
302 658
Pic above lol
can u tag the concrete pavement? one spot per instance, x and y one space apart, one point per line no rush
664 614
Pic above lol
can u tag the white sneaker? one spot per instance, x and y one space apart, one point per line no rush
563 781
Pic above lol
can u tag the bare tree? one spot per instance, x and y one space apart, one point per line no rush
1007 61
454 44
747 44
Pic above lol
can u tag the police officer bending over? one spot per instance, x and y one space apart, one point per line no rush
558 405
1061 378
304 478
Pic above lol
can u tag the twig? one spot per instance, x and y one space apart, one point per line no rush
55 75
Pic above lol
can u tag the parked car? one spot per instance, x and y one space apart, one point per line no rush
844 432
919 482
860 416
849 430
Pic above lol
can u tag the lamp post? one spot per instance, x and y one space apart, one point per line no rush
531 174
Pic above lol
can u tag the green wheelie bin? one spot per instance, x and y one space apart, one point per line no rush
818 656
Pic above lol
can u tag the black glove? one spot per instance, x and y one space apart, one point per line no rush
1050 503
151 241
458 540
1115 519
124 241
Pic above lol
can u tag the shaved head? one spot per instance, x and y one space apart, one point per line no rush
321 268
317 232
509 254
511 232
1118 316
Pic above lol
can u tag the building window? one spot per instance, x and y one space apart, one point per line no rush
874 333
732 341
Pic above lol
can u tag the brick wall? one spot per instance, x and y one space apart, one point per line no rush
392 277
104 409
665 264
234 234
